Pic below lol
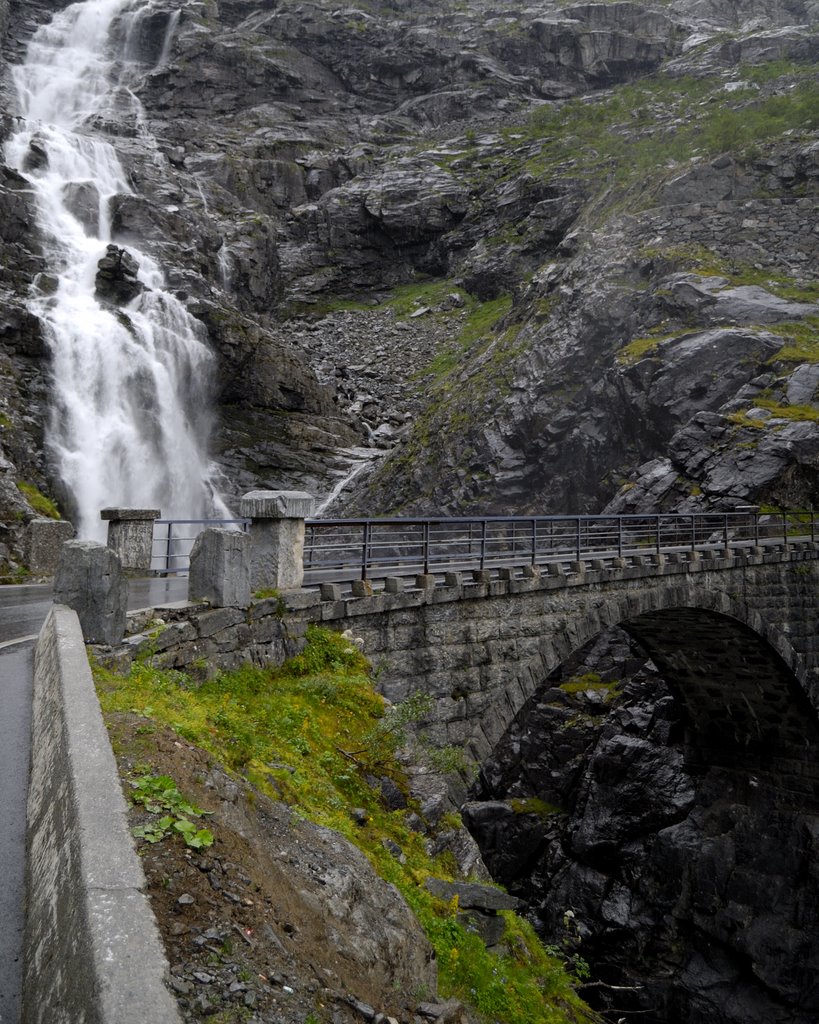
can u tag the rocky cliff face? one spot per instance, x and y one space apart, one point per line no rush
687 888
592 231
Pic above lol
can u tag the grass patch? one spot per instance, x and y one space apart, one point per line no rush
662 121
309 733
534 805
38 501
640 347
803 341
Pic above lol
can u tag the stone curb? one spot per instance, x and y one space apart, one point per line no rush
91 949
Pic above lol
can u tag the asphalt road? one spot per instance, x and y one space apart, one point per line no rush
23 608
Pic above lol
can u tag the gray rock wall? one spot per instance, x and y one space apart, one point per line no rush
91 949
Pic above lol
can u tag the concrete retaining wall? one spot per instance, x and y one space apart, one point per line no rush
92 952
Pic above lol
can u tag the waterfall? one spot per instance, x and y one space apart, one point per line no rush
131 385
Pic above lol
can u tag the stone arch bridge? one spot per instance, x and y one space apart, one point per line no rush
736 637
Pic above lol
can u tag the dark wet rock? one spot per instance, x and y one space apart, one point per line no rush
117 277
669 875
83 200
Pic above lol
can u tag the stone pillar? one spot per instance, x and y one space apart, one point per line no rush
220 569
45 541
276 537
90 579
130 534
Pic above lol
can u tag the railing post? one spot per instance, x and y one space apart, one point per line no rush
693 531
619 536
131 534
168 549
365 550
534 542
657 526
426 547
725 532
276 537
756 529
483 543
812 526
577 537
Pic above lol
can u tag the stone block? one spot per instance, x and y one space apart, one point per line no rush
393 584
453 579
330 592
45 542
555 569
506 574
276 537
481 576
220 569
276 505
531 572
90 579
425 581
131 534
578 568
362 588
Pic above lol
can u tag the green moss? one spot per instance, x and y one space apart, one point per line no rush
803 344
38 501
591 681
534 805
309 733
5 422
640 347
800 413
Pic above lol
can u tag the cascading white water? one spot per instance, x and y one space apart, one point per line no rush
129 421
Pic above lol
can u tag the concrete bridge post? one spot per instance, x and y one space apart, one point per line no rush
131 534
276 536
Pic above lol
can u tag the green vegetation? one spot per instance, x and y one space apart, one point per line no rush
171 812
38 501
636 129
695 257
591 681
479 324
639 347
309 733
534 805
803 344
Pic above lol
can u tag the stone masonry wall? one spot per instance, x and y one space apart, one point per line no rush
481 649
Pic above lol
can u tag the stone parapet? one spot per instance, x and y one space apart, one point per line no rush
91 581
92 950
220 569
45 542
130 534
276 537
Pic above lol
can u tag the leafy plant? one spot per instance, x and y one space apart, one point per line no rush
158 793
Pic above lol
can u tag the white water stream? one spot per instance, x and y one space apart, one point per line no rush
129 421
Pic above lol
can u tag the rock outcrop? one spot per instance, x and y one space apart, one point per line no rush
285 159
685 886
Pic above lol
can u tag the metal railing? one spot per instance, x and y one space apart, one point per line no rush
173 540
339 550
342 550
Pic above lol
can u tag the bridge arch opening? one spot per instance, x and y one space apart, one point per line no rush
656 803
